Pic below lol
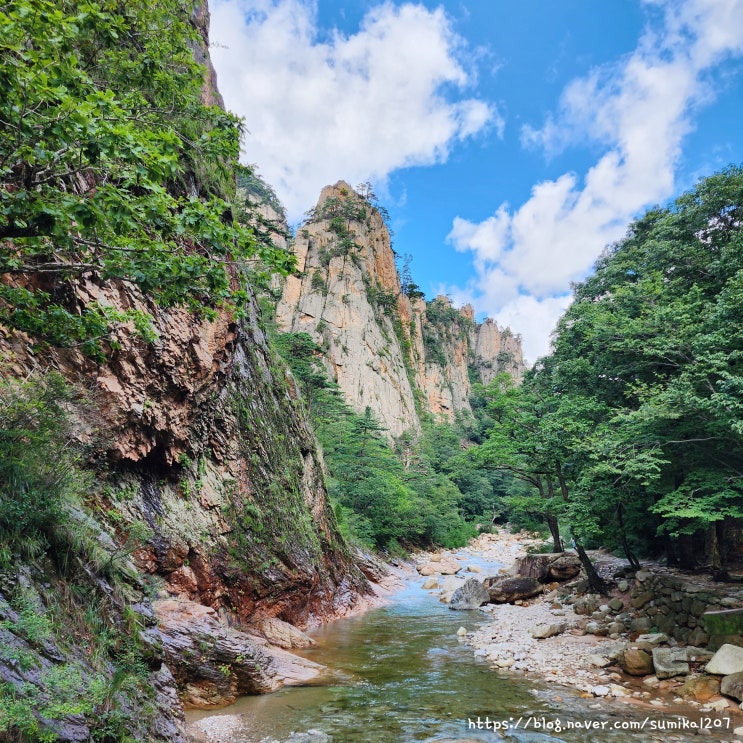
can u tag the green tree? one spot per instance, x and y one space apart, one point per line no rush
112 167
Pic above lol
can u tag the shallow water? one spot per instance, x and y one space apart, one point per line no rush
401 675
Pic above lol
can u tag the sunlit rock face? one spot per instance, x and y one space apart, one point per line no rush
386 348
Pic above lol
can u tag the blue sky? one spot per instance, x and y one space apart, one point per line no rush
510 142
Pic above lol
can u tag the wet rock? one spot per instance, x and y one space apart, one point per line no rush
449 567
507 590
470 595
732 686
728 659
428 569
430 583
670 662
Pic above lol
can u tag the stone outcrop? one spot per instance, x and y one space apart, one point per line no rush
387 349
196 442
213 664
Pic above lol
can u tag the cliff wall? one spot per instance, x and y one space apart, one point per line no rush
198 487
387 349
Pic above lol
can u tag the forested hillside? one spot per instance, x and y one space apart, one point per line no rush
629 432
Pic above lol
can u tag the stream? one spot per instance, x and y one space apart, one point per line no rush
401 675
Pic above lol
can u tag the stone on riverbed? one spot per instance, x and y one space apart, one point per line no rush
636 661
507 590
470 595
732 686
728 659
700 687
430 583
670 662
543 631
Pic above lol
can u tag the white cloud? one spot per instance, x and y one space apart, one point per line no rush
639 110
355 107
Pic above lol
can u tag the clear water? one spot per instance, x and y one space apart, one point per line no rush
401 675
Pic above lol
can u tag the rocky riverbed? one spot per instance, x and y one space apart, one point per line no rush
604 646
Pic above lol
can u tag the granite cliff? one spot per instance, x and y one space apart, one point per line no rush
161 499
387 348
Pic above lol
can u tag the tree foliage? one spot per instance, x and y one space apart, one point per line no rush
384 498
637 409
112 167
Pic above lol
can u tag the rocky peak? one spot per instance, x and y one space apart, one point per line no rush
395 354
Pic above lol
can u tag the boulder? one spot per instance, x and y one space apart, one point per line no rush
430 583
470 595
543 631
586 604
732 686
700 687
504 590
565 567
556 566
449 567
427 569
616 605
636 661
728 659
652 640
598 661
670 662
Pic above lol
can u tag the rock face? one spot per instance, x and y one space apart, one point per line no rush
214 664
199 439
383 346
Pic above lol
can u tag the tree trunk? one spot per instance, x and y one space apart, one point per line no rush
687 556
715 535
633 561
595 581
554 527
